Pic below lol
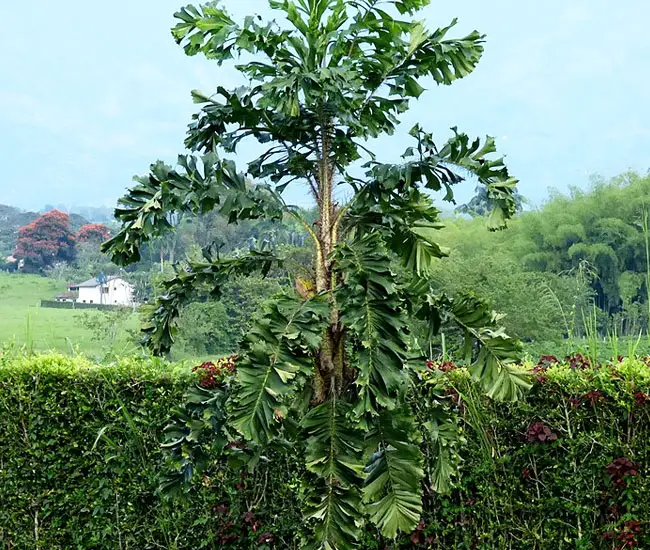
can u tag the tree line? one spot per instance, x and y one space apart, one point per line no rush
582 253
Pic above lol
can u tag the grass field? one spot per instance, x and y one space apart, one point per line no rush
89 332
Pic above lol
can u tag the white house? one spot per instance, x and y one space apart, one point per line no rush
113 291
17 264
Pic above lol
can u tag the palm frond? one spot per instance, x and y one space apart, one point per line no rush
392 491
190 281
496 365
334 455
373 312
198 186
278 356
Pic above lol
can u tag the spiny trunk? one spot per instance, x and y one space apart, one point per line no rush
323 271
331 357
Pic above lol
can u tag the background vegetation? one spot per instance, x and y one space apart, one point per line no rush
330 402
550 272
38 329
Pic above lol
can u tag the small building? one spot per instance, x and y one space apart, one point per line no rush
112 291
13 263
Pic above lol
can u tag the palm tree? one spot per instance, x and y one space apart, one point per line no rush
329 368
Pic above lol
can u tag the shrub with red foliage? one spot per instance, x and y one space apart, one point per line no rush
593 397
209 373
621 469
541 378
629 533
249 519
93 232
418 536
575 401
444 366
221 509
625 537
265 538
235 528
540 433
546 361
46 240
239 486
578 361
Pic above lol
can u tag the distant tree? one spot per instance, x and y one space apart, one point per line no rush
93 232
46 240
97 214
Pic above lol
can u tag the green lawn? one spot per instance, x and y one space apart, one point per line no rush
25 322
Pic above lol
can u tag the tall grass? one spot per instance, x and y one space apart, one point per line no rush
646 238
592 337
29 335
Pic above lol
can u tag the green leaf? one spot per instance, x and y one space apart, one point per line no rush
335 512
190 281
393 187
443 437
404 215
195 434
418 37
392 492
334 454
495 366
274 363
145 210
333 446
373 312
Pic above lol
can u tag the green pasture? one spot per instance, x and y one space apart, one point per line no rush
23 321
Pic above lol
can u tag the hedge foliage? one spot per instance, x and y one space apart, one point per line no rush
79 305
80 463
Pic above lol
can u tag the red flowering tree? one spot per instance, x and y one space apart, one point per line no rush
93 232
46 240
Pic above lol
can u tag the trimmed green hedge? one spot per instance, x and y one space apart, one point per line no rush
80 460
79 305
567 468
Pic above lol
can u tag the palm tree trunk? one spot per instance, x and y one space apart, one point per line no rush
331 358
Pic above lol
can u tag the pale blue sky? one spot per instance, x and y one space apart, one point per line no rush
92 92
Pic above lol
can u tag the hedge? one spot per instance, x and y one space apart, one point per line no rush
79 305
80 462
